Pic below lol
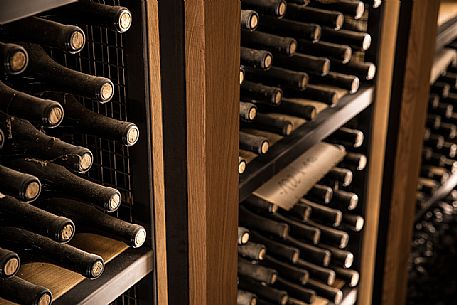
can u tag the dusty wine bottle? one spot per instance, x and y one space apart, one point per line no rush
249 20
323 213
40 111
275 8
447 130
348 275
304 63
91 219
298 210
254 143
333 294
330 50
340 175
276 249
245 298
260 204
22 186
243 235
344 200
60 181
9 263
116 18
331 236
14 58
270 42
444 110
19 291
356 40
435 141
259 93
354 161
347 82
448 149
96 124
23 215
321 193
347 137
354 9
299 230
283 27
248 111
266 292
256 58
294 107
278 77
287 271
427 186
241 165
45 32
332 19
295 290
33 246
318 93
255 221
55 77
310 252
252 251
317 272
358 25
339 257
28 141
438 174
363 70
256 272
272 122
353 222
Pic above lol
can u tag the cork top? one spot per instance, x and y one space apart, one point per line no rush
140 238
359 224
252 113
264 147
97 269
274 277
114 202
45 299
349 260
360 10
55 116
284 299
77 40
353 202
355 85
241 166
32 190
338 297
292 47
107 91
262 253
339 21
11 267
281 9
125 20
18 61
371 72
288 129
241 77
244 238
355 279
85 162
254 21
267 61
366 42
133 134
67 232
363 162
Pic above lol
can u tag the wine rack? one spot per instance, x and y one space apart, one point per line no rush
124 58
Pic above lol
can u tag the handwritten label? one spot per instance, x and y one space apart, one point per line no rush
294 181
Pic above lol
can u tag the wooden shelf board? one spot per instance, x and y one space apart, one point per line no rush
448 10
447 24
62 281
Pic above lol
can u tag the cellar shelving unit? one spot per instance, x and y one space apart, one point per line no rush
132 276
288 149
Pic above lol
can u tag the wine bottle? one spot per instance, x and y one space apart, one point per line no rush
241 165
340 257
358 25
295 290
245 298
256 58
116 18
341 175
243 235
275 8
444 110
438 174
344 200
22 186
91 219
258 93
14 58
45 32
31 246
427 186
449 150
55 77
363 70
257 222
96 124
344 81
40 111
295 107
331 236
23 215
447 130
354 9
356 40
333 294
276 249
351 277
353 222
254 143
317 272
324 214
298 210
272 122
258 203
319 93
354 161
310 252
60 181
278 77
320 193
435 141
283 27
249 20
440 88
303 63
9 263
19 291
248 111
270 42
287 271
252 251
327 18
347 137
269 293
242 72
28 141
256 272
298 229
330 50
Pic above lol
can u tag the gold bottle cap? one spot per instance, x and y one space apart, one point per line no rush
85 162
32 190
140 238
97 269
125 20
254 21
55 116
107 91
18 61
11 267
133 135
45 299
77 40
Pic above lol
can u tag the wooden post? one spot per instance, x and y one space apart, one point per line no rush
212 42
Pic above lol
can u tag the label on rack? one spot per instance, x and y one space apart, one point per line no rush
294 181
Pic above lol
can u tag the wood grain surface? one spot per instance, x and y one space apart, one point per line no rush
448 10
212 39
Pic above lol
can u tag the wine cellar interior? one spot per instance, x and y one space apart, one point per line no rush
248 152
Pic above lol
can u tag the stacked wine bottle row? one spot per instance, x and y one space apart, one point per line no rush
439 155
298 58
432 264
44 196
294 256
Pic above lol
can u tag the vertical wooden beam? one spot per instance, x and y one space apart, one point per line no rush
408 149
212 41
376 157
157 152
